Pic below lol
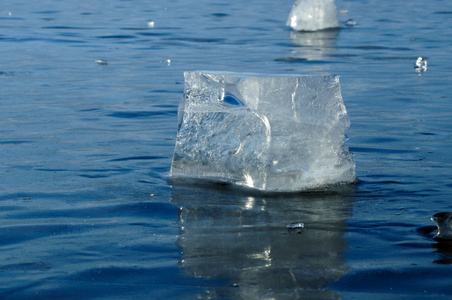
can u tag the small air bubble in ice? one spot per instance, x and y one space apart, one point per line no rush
420 65
102 62
350 22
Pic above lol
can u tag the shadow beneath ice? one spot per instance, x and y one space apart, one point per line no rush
245 242
444 248
224 186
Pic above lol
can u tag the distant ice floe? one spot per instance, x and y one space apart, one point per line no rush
313 15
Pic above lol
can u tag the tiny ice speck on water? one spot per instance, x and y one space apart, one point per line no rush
101 61
295 225
151 24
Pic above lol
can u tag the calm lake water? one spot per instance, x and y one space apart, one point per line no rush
86 211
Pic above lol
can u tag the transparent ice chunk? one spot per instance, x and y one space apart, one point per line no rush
270 133
420 65
313 15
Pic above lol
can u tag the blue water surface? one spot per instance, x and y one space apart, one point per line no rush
88 119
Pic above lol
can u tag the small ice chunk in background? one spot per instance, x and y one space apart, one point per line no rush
443 221
102 62
151 24
313 15
350 22
295 227
270 133
420 65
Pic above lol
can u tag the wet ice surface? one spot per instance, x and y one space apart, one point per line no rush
83 146
266 132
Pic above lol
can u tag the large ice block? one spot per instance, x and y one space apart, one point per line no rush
280 133
313 15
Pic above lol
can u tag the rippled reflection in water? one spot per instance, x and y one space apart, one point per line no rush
245 241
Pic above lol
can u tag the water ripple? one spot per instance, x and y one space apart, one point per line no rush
145 157
141 114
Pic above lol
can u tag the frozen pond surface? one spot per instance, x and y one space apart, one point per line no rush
88 115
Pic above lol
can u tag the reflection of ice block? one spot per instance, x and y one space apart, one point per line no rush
244 239
280 133
312 15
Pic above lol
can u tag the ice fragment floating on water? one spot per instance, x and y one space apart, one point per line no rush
350 22
295 225
420 65
270 133
102 62
312 15
443 221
